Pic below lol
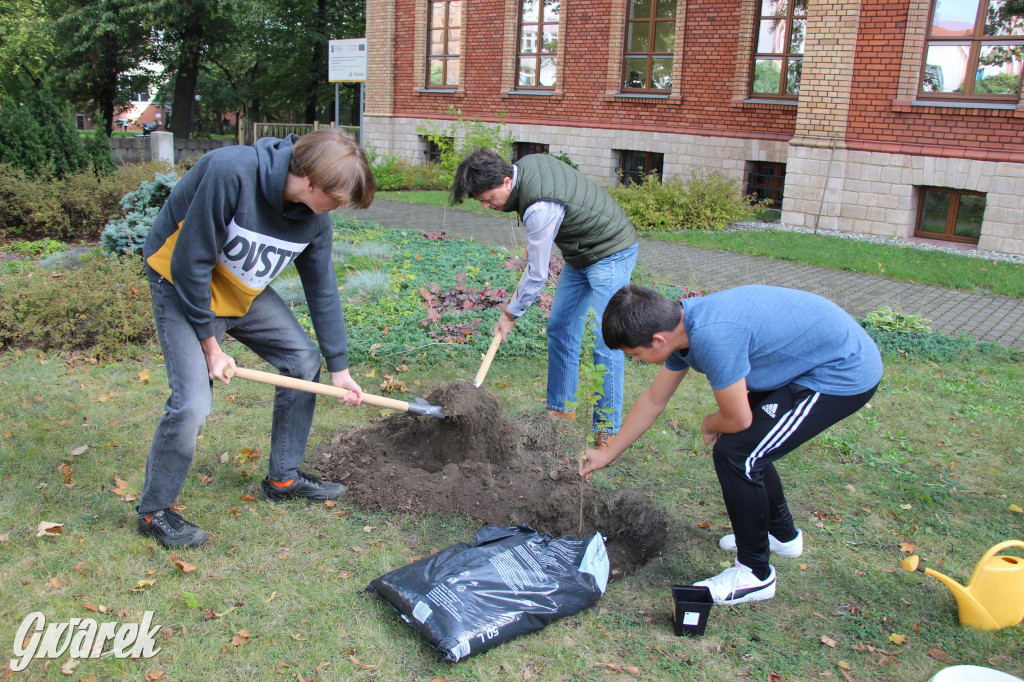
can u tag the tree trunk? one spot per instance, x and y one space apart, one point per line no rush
318 62
108 87
183 108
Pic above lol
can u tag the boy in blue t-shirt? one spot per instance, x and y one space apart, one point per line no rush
784 365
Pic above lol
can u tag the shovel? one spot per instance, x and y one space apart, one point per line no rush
418 406
486 364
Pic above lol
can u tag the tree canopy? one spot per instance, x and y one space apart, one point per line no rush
260 59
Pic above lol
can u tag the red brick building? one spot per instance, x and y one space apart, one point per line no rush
890 117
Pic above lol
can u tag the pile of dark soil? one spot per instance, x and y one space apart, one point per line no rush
476 463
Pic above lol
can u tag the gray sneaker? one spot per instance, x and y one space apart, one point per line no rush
171 530
790 550
304 485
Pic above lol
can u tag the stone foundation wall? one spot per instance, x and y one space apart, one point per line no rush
877 193
867 192
596 149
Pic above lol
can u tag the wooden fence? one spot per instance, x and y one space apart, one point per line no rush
247 134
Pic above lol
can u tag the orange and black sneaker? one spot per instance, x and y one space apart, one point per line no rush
304 485
171 530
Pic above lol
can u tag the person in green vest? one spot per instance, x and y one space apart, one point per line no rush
560 206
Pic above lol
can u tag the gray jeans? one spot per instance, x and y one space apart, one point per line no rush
270 329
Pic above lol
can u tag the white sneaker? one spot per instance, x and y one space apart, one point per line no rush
739 584
790 550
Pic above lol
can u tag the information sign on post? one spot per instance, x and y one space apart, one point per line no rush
346 63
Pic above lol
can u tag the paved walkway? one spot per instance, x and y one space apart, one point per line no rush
986 317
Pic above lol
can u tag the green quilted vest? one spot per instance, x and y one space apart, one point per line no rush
594 226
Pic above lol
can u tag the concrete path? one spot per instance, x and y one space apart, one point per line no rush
997 319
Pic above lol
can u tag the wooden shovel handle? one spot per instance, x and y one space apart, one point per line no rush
488 358
312 387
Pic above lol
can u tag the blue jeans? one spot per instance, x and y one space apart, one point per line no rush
578 292
270 329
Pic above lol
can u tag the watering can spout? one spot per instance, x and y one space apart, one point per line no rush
994 596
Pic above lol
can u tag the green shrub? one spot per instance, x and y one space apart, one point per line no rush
461 137
128 233
73 209
895 320
564 158
709 201
42 247
101 308
393 173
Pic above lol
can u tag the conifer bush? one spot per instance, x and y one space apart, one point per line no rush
128 233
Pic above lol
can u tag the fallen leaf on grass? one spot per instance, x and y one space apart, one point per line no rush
297 637
69 667
80 450
1016 508
185 566
120 486
247 498
143 585
907 547
154 675
703 524
330 504
79 567
48 529
897 638
907 507
241 638
843 665
144 376
940 655
57 583
362 665
210 615
828 641
345 574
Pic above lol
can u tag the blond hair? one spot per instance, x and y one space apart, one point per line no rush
332 162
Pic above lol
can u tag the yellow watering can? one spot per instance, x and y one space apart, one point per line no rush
994 596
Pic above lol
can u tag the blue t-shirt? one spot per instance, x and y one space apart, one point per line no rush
772 337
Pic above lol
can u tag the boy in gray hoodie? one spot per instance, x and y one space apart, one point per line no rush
229 226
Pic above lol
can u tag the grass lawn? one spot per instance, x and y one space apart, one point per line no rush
931 468
903 263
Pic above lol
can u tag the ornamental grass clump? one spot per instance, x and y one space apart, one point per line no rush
708 201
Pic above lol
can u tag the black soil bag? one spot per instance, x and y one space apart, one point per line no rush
469 598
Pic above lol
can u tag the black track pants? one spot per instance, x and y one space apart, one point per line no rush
783 420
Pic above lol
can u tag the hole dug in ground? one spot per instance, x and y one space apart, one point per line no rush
476 463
